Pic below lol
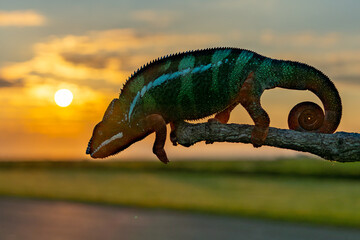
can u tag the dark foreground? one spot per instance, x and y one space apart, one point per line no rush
37 219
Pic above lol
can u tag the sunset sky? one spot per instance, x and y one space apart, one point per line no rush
91 47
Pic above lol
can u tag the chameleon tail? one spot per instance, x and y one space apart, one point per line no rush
308 116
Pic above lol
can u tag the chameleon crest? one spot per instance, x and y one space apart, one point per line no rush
196 84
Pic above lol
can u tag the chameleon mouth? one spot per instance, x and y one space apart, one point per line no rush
88 147
104 144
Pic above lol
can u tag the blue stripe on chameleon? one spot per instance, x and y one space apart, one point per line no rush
201 68
165 77
143 90
206 67
150 85
132 105
158 81
195 70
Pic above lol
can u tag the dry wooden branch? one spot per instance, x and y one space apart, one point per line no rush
340 146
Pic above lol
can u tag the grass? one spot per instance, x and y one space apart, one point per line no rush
298 190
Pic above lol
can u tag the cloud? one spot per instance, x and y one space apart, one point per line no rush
22 18
4 83
155 18
340 65
107 56
355 79
302 39
98 61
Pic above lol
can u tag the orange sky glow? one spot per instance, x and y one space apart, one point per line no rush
94 63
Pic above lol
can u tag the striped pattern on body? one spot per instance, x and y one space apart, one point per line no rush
196 84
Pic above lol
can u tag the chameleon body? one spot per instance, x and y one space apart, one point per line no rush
196 84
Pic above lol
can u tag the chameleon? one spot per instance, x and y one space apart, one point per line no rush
196 84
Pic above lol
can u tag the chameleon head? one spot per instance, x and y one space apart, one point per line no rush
112 134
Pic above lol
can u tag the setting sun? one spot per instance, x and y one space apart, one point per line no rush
63 97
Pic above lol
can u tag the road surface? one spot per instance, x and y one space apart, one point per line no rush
55 220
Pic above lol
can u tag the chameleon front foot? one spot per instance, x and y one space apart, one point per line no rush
173 137
161 154
156 122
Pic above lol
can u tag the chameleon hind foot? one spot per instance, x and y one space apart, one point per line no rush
249 97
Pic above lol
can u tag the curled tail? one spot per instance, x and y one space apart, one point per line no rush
308 116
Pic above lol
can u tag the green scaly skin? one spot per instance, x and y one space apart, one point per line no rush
196 84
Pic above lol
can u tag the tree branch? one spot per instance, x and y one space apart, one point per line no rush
340 146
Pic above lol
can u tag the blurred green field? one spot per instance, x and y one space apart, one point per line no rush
304 190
